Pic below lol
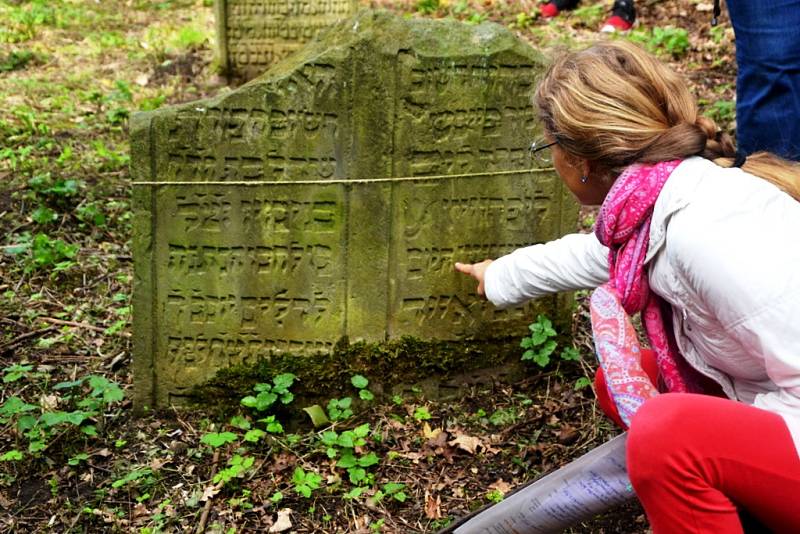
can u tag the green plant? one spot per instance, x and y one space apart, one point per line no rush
16 60
427 6
344 446
91 213
237 467
582 382
671 40
503 417
590 15
190 37
82 402
133 477
539 345
421 413
50 253
721 111
494 496
523 20
218 439
360 383
339 409
269 393
391 489
305 482
44 215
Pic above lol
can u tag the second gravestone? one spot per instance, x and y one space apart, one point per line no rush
252 35
331 197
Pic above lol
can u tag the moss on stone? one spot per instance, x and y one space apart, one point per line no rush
386 364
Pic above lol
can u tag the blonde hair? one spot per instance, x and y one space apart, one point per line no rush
614 104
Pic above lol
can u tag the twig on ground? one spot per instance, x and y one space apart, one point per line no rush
22 337
207 508
76 324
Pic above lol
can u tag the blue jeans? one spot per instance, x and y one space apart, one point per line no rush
768 82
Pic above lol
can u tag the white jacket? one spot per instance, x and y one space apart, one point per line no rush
725 253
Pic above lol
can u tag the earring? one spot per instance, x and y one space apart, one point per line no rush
584 178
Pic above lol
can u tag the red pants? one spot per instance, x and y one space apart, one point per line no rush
693 459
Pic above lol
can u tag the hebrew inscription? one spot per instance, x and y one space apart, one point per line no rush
254 34
331 198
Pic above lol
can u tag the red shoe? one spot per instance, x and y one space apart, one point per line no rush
622 16
554 7
616 24
549 10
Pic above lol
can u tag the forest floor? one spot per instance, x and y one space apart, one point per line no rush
73 458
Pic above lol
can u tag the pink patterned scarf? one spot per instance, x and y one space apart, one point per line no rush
623 225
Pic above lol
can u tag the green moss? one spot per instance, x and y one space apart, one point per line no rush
387 364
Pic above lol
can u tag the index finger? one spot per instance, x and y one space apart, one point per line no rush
465 268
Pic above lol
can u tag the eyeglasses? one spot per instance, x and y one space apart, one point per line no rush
536 152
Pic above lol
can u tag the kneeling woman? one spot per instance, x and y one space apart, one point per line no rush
704 243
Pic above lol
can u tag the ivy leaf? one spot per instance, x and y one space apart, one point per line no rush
366 395
361 431
283 381
354 493
329 438
570 354
368 460
357 474
392 487
240 422
11 456
347 461
252 436
345 440
218 439
359 381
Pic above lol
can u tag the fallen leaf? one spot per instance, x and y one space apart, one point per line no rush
209 492
427 433
433 508
49 402
282 522
467 443
157 463
501 486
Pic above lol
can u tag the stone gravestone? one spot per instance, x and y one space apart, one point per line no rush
331 196
254 34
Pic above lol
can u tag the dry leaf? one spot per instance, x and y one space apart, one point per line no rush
282 522
433 508
427 433
209 492
49 402
500 486
157 463
467 443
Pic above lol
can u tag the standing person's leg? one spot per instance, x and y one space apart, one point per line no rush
693 458
768 80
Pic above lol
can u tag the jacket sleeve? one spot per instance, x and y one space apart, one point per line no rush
576 261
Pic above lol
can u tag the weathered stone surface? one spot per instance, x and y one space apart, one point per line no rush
254 34
331 196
